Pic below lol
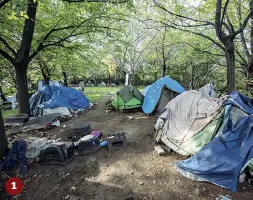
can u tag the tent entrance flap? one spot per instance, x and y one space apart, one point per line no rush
166 96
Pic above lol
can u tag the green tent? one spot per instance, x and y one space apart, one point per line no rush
127 97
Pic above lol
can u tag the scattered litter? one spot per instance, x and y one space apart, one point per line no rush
72 189
88 144
67 197
159 150
242 177
222 197
58 153
117 141
141 183
65 175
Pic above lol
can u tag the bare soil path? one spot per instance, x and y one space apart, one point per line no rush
131 173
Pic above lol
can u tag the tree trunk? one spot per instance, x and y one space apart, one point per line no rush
3 140
45 77
230 58
22 90
65 79
22 58
2 94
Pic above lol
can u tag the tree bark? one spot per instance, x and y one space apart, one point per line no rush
46 77
230 58
3 140
22 90
65 79
22 59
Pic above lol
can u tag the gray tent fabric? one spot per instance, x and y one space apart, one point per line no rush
208 90
128 91
185 116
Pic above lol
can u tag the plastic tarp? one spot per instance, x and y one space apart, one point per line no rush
208 89
145 90
222 160
67 97
153 94
41 84
39 97
184 119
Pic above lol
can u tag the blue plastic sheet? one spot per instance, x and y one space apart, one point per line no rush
145 90
15 157
153 93
67 97
221 161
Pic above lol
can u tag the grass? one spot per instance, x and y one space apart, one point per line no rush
96 93
92 93
6 113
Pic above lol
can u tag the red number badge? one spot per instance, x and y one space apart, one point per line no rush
14 186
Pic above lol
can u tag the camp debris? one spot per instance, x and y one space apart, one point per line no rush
159 94
217 132
127 97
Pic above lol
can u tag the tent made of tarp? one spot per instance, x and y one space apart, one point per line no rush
189 122
223 159
208 90
45 94
160 93
145 90
41 84
127 97
53 97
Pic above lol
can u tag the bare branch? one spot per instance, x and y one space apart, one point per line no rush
8 46
7 56
243 25
181 16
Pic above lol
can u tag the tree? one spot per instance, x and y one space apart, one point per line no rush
224 30
3 140
60 32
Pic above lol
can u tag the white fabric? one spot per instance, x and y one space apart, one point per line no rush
41 85
208 90
62 110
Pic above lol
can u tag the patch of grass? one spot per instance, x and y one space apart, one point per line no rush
96 93
7 113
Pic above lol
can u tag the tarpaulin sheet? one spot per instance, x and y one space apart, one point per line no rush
222 160
185 118
153 94
67 97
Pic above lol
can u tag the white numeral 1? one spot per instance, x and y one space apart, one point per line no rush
14 186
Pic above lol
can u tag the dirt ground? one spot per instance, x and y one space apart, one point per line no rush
131 173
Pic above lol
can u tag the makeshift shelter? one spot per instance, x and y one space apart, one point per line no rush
52 97
145 90
41 84
220 137
127 97
159 94
208 90
189 122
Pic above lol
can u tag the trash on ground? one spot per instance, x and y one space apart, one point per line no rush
116 141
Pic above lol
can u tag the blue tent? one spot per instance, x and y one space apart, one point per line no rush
55 96
222 160
67 97
153 93
145 90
